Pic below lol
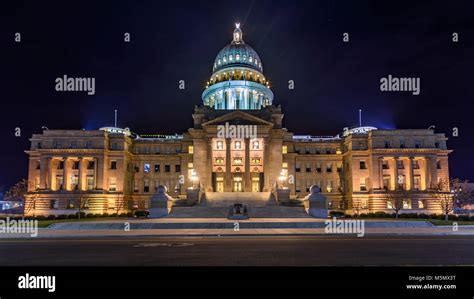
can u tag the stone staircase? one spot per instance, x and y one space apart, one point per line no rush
259 205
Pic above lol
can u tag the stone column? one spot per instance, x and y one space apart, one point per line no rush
65 174
210 162
394 173
380 169
426 173
411 174
49 184
95 172
82 171
433 171
247 183
43 172
228 177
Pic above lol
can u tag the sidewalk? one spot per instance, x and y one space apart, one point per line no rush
397 231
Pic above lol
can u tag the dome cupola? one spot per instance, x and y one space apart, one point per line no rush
237 81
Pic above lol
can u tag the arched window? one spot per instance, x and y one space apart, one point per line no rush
230 57
237 57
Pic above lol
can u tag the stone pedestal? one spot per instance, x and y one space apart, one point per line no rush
283 195
315 203
161 203
193 196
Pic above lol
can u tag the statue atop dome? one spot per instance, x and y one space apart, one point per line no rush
237 35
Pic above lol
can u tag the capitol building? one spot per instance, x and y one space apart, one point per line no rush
119 170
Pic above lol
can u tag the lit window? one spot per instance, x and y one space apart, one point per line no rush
284 165
230 57
363 186
224 59
389 205
250 60
220 145
256 145
190 149
112 184
407 204
237 145
421 204
219 61
284 149
146 168
256 62
237 57
238 161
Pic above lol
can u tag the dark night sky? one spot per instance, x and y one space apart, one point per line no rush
178 40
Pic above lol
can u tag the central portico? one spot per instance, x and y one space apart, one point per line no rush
245 164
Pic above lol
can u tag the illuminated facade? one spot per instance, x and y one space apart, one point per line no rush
117 170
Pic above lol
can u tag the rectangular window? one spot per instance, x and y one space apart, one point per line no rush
177 168
38 165
146 168
146 186
385 164
387 144
190 149
111 203
135 185
421 204
61 165
407 204
329 167
362 165
417 143
219 161
113 164
402 143
90 182
53 204
362 185
112 184
318 167
401 181
167 168
339 167
237 161
329 185
157 167
297 186
400 164
75 165
90 165
389 205
416 164
438 164
75 182
297 167
284 149
308 167
416 181
386 182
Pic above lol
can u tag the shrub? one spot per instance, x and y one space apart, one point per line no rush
371 215
380 215
452 217
336 214
62 216
105 215
51 217
440 217
129 214
123 215
40 217
90 215
83 214
363 215
72 216
113 215
97 215
464 217
422 216
433 216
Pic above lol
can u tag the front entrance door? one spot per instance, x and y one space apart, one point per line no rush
237 184
219 184
255 184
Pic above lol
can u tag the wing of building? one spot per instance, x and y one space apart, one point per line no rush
238 144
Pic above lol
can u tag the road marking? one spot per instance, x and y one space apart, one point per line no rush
163 245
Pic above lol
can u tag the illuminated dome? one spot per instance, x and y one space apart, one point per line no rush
237 81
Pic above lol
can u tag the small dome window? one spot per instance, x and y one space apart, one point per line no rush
237 57
224 59
250 59
256 62
230 57
219 61
245 58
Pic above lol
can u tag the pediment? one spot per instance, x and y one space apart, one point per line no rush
237 118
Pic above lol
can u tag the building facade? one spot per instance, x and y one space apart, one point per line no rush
114 170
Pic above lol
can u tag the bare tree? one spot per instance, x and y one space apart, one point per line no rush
120 204
396 199
82 202
448 198
18 193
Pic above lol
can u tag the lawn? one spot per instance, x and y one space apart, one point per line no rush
46 223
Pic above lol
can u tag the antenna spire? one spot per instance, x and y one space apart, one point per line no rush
115 118
360 117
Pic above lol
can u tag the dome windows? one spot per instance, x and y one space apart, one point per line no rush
224 59
237 57
250 59
230 57
219 61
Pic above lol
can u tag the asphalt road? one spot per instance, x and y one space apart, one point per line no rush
240 251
